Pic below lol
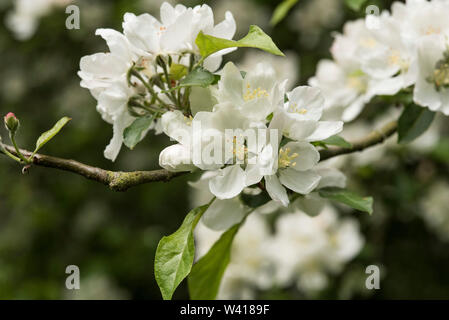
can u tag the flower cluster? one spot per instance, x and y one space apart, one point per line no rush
149 57
280 158
405 49
251 131
303 251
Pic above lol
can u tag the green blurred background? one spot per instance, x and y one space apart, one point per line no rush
51 219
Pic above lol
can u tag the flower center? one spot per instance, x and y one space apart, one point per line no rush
161 30
294 108
440 76
239 150
368 43
251 94
188 120
431 30
286 159
396 59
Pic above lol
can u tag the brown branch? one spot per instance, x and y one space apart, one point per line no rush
122 181
375 137
116 180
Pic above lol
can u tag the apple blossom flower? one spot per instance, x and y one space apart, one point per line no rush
432 85
303 247
284 67
177 31
124 73
256 95
292 165
346 87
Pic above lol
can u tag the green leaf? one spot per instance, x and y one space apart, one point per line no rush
199 77
355 5
177 71
48 135
281 11
413 122
175 253
353 200
133 134
337 141
441 150
255 38
204 280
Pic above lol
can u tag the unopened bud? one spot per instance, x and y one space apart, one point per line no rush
11 122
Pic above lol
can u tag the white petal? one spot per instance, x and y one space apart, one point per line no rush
388 87
212 63
225 29
100 66
305 103
230 85
177 36
253 174
302 182
354 109
325 129
223 214
168 14
276 191
176 158
331 178
174 125
307 155
141 31
228 183
257 109
117 43
299 130
112 101
311 204
112 150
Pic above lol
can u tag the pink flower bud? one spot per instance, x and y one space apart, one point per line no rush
11 122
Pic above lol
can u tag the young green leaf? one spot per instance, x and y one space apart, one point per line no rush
353 200
177 71
281 11
199 77
133 134
337 141
413 122
204 280
355 5
255 38
175 254
48 135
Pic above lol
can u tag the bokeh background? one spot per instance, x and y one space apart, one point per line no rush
51 219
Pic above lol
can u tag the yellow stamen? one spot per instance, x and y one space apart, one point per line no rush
285 159
256 93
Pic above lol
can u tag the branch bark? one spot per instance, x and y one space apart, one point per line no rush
375 137
122 181
115 180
